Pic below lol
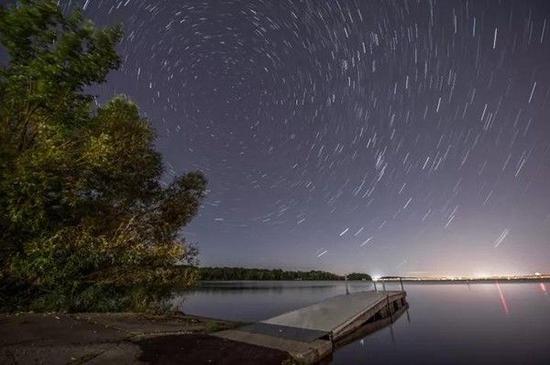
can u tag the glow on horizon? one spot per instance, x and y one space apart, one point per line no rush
477 275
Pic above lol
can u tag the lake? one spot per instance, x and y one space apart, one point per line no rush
479 323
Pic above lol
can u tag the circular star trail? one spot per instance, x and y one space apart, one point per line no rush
393 137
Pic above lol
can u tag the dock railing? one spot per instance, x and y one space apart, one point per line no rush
375 282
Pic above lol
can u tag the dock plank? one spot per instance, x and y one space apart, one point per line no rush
330 314
292 333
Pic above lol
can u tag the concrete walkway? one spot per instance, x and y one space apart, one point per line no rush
56 338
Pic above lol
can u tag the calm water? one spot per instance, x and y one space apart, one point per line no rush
506 323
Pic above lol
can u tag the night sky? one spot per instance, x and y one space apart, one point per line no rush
389 137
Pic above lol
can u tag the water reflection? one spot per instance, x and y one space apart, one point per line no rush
543 288
502 299
372 327
489 323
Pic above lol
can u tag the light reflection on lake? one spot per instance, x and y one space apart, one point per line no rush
481 323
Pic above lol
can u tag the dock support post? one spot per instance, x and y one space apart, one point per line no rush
375 288
384 286
389 308
401 282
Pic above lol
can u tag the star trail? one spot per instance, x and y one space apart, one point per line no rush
389 137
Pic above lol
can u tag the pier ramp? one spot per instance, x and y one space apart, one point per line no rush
309 333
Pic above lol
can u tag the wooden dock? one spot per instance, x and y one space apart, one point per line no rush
309 333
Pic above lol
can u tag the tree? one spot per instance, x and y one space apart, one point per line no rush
359 276
84 221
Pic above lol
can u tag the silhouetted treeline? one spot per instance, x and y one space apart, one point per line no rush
241 273
359 276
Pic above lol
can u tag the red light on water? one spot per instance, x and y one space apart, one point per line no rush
503 300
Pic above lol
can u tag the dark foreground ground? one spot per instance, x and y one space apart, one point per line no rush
123 338
205 349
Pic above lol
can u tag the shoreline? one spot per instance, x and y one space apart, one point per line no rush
395 280
466 281
124 338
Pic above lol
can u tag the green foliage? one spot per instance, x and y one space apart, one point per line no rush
84 221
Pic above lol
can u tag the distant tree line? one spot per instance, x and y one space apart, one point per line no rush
241 273
359 276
